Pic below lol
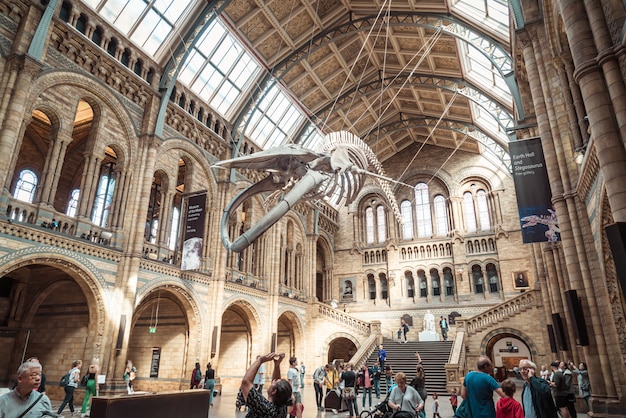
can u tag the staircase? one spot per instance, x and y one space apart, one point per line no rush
401 358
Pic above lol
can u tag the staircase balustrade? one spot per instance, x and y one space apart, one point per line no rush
362 327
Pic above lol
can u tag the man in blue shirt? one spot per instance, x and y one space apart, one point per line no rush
382 356
478 387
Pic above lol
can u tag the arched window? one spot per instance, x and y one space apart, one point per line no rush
26 186
483 210
384 291
371 285
434 279
407 220
375 224
421 276
410 284
72 205
492 276
104 195
477 276
448 281
369 225
470 214
441 215
422 211
381 224
154 210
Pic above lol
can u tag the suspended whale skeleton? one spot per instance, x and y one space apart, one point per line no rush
337 169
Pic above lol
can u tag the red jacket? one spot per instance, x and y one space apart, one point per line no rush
509 408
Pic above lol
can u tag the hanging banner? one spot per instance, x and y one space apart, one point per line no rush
194 232
534 197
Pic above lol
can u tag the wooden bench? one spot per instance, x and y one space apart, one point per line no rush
187 403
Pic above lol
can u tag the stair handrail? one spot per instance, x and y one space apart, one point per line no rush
345 319
367 348
456 365
496 313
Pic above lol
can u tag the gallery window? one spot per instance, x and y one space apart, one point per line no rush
26 186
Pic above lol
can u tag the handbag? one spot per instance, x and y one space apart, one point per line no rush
463 410
85 378
349 393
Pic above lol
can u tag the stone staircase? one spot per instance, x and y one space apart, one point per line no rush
401 358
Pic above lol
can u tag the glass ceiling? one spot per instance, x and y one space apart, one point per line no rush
221 71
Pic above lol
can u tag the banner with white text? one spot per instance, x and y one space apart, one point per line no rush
194 232
534 197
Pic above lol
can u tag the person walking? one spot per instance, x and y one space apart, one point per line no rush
454 400
91 388
382 356
74 373
478 387
196 377
560 389
436 406
443 324
293 377
209 381
536 396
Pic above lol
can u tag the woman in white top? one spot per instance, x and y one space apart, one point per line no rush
71 386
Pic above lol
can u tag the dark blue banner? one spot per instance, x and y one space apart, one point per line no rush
534 197
194 232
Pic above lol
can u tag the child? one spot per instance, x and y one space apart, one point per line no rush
454 400
508 407
435 406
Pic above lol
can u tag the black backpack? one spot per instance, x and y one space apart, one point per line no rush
65 380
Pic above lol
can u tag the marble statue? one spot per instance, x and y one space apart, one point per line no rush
429 322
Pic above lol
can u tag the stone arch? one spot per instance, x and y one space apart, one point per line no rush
99 92
84 273
193 155
497 334
325 346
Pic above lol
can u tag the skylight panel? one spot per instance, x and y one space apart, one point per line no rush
219 69
147 23
490 14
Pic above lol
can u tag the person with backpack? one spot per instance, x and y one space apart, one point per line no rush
196 377
74 378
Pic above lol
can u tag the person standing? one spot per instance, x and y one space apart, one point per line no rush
454 400
382 356
507 406
584 385
14 404
279 395
130 373
302 374
567 370
319 376
478 387
443 324
196 377
293 376
419 383
259 377
365 383
348 378
90 387
405 398
209 381
436 406
536 395
376 372
388 377
71 387
559 389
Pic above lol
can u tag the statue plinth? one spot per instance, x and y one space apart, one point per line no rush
428 336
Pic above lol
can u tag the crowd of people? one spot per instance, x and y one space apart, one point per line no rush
544 395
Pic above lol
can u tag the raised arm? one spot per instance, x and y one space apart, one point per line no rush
248 378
